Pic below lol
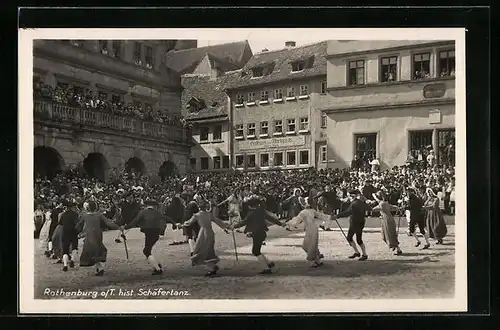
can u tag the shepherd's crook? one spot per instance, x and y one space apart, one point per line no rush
338 224
125 243
235 247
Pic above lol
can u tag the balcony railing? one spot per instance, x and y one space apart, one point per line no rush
46 110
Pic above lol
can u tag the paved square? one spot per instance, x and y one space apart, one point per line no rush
415 274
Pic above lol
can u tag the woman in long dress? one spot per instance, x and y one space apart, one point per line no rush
91 225
235 203
388 224
311 220
203 252
294 203
434 217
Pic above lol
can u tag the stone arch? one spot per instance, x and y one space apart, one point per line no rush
167 169
96 166
47 162
135 165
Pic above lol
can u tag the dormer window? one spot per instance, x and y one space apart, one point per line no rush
298 66
257 72
196 104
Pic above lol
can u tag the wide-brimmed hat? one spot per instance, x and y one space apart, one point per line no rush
354 192
431 192
150 202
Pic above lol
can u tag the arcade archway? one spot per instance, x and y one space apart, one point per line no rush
96 166
135 165
167 170
47 162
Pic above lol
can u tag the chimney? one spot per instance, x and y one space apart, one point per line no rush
290 44
265 50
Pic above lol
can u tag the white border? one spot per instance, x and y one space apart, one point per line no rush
28 304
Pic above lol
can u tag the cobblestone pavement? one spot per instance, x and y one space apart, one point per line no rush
415 274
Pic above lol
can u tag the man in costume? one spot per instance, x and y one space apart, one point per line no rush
255 225
129 210
68 221
152 223
356 213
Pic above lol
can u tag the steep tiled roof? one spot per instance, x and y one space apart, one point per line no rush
182 61
211 91
314 55
224 64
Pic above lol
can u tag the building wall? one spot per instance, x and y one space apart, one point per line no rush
117 149
210 148
337 67
57 62
86 67
390 109
393 127
284 110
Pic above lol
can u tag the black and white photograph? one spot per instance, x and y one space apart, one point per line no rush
242 170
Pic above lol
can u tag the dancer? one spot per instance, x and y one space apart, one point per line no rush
69 239
203 252
191 232
54 221
90 225
417 218
126 212
235 204
308 216
152 223
388 224
330 203
356 213
255 225
434 217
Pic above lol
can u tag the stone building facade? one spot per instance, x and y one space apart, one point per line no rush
387 99
273 108
128 71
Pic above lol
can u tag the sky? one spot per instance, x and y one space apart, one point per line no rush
258 44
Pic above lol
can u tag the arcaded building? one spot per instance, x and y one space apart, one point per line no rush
273 108
103 104
391 100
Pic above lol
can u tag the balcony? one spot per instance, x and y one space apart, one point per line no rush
48 111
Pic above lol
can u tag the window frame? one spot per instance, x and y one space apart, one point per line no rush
208 133
324 117
236 161
300 65
282 158
363 68
238 128
306 123
438 62
366 134
276 132
418 131
268 159
278 91
413 66
251 99
248 160
208 163
289 152
323 87
266 93
264 127
289 123
288 89
240 97
226 162
217 160
214 138
323 151
381 66
308 157
302 88
249 128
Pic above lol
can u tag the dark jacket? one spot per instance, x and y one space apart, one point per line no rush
68 221
255 221
416 208
356 211
148 218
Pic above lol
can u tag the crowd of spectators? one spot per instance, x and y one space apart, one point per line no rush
277 186
85 98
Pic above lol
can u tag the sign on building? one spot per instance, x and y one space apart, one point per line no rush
284 142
